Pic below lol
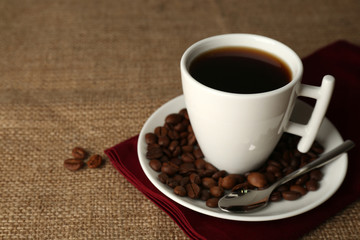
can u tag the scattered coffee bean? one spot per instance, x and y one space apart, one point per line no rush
73 164
79 153
94 161
173 151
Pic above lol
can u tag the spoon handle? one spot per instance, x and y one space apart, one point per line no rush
322 160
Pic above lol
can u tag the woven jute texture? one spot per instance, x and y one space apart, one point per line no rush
89 73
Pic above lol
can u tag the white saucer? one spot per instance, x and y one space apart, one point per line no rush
334 173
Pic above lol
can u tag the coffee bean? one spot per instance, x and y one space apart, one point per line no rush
205 173
190 129
79 153
275 196
294 163
184 113
173 135
191 139
288 170
164 158
312 185
239 178
219 174
155 165
302 179
184 181
272 168
164 141
244 185
184 135
172 182
73 164
176 161
155 152
163 177
283 188
200 163
183 142
187 157
217 191
194 178
150 138
187 148
290 195
180 191
178 178
316 174
257 179
174 118
166 151
169 168
94 161
161 131
276 164
298 188
208 182
270 177
198 153
228 182
177 151
186 168
209 166
193 190
212 202
180 127
205 194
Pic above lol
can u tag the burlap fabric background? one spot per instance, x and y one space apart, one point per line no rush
89 73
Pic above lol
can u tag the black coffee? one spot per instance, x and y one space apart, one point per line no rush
240 70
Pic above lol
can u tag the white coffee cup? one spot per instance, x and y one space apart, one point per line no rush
237 132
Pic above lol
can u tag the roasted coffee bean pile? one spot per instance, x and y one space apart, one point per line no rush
172 151
79 155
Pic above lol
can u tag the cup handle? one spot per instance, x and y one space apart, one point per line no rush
309 131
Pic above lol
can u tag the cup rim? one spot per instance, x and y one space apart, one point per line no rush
296 77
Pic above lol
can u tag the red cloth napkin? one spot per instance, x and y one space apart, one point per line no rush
340 59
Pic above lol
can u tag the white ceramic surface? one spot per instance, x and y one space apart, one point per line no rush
334 172
242 130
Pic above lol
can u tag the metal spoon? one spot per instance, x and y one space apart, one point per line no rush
246 200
